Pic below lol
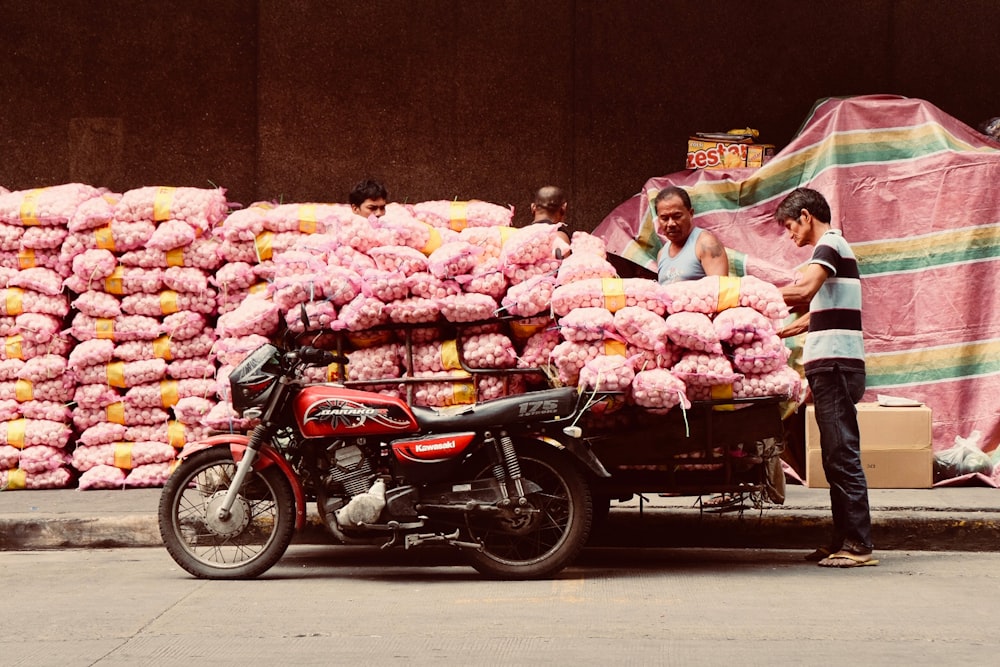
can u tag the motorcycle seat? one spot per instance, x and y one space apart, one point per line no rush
534 406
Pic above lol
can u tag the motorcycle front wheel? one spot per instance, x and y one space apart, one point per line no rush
256 533
547 537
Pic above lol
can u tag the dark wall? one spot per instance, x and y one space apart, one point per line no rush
444 99
123 94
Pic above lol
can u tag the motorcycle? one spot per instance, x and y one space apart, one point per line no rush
505 481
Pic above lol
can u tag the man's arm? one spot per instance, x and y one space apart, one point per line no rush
801 292
712 255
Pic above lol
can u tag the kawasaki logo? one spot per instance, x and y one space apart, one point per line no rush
436 447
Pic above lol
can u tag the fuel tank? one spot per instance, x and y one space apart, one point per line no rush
329 410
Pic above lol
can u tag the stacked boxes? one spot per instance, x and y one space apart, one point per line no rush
895 447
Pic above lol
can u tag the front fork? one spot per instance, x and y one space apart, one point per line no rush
258 436
243 469
506 467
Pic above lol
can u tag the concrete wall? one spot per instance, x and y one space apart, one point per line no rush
296 100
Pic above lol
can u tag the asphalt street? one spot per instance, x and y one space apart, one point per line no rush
324 605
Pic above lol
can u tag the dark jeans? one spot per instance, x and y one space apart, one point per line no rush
835 392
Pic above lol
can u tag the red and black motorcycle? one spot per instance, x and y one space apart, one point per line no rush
503 480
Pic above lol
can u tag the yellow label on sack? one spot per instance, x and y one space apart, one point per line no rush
15 433
116 413
307 218
433 240
24 391
168 302
463 392
17 479
168 393
161 348
29 207
458 214
176 434
729 292
104 328
162 202
175 257
613 290
449 355
14 301
26 259
366 339
123 455
13 347
722 391
115 283
505 233
116 374
333 373
523 331
258 288
612 347
104 238
263 243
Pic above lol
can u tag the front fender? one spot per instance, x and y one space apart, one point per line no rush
266 456
582 453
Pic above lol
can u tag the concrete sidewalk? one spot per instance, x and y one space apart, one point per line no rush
947 518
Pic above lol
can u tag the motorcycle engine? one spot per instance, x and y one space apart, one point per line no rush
348 473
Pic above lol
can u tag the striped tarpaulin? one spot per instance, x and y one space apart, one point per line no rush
917 194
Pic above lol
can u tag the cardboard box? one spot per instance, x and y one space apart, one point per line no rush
722 154
882 427
895 447
884 468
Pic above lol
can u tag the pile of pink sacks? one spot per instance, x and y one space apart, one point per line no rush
437 263
144 367
35 389
663 346
133 308
109 301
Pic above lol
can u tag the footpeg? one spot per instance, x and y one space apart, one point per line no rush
420 539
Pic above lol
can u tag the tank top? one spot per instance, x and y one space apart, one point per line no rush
685 266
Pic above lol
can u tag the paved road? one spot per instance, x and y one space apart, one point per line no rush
339 605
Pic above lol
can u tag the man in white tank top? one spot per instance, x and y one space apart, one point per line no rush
690 252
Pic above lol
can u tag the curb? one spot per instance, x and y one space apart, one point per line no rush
624 528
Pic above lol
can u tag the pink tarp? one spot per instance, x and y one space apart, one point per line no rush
915 192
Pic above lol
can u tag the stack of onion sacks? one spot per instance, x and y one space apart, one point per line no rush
144 308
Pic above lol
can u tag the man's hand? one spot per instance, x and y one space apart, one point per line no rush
799 326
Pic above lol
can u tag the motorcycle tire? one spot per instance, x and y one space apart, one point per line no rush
257 533
551 538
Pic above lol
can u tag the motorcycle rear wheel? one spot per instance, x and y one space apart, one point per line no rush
245 545
553 537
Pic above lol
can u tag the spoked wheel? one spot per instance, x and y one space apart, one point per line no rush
549 532
243 545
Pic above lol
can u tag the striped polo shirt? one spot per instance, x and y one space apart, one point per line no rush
835 334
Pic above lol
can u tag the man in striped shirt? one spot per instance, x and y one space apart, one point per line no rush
834 361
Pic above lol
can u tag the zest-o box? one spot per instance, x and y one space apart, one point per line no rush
720 154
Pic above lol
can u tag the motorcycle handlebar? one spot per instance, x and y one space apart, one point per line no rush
317 357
